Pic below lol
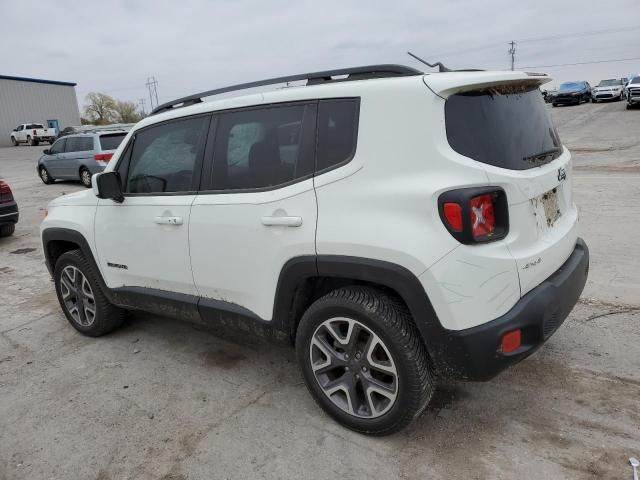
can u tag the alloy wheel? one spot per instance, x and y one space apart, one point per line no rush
85 176
77 296
353 367
44 175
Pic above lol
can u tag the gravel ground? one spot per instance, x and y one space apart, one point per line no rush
162 399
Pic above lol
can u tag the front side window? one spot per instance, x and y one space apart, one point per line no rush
337 132
58 146
263 147
164 157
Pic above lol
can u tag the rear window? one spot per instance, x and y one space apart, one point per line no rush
34 125
508 128
111 142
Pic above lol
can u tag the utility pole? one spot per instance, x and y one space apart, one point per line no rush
152 85
141 102
512 52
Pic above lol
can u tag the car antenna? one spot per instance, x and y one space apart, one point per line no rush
441 67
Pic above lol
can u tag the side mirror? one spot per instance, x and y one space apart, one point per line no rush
46 151
109 186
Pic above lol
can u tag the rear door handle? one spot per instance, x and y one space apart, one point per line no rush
282 221
168 220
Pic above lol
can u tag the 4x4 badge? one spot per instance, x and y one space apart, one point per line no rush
562 174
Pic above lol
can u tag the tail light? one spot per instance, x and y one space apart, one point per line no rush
475 215
103 158
6 195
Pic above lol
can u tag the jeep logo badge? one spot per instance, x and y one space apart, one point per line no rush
562 174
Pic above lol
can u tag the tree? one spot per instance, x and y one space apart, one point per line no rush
100 108
125 112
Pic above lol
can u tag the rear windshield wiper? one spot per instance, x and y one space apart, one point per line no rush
542 156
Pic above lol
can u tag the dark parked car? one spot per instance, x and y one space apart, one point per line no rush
572 93
8 210
79 156
68 131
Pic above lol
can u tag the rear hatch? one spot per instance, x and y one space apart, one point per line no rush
500 120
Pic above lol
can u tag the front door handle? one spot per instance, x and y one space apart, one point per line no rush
279 221
168 220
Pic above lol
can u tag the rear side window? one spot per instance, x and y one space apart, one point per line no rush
263 147
79 144
34 125
112 141
164 157
507 128
337 132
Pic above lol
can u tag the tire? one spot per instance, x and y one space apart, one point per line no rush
7 229
384 323
30 141
628 106
72 275
593 100
14 142
554 104
85 177
45 177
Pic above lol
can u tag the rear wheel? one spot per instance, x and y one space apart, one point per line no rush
554 104
363 360
85 177
82 301
30 141
7 229
45 177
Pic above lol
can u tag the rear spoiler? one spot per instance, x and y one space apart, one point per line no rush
445 84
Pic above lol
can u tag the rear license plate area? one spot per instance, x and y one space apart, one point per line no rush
551 207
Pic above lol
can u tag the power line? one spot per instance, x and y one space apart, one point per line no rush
487 46
583 63
581 34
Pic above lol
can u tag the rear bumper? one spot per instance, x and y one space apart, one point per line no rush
475 353
8 213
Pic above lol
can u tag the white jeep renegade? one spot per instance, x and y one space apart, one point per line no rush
397 227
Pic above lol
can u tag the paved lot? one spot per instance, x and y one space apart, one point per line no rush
161 399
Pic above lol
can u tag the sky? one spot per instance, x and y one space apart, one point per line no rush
196 45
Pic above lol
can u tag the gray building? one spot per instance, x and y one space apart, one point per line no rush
31 100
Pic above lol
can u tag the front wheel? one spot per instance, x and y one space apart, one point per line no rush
85 177
14 142
363 360
81 298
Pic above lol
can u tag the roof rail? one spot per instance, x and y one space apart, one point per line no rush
314 78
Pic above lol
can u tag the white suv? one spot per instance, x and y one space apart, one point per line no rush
398 228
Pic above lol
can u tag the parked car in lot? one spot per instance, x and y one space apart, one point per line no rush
33 134
572 93
611 89
8 210
79 156
69 131
313 214
633 92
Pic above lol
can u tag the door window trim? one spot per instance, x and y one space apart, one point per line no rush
122 167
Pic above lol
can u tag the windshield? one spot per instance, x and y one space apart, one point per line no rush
511 130
570 86
635 80
609 83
